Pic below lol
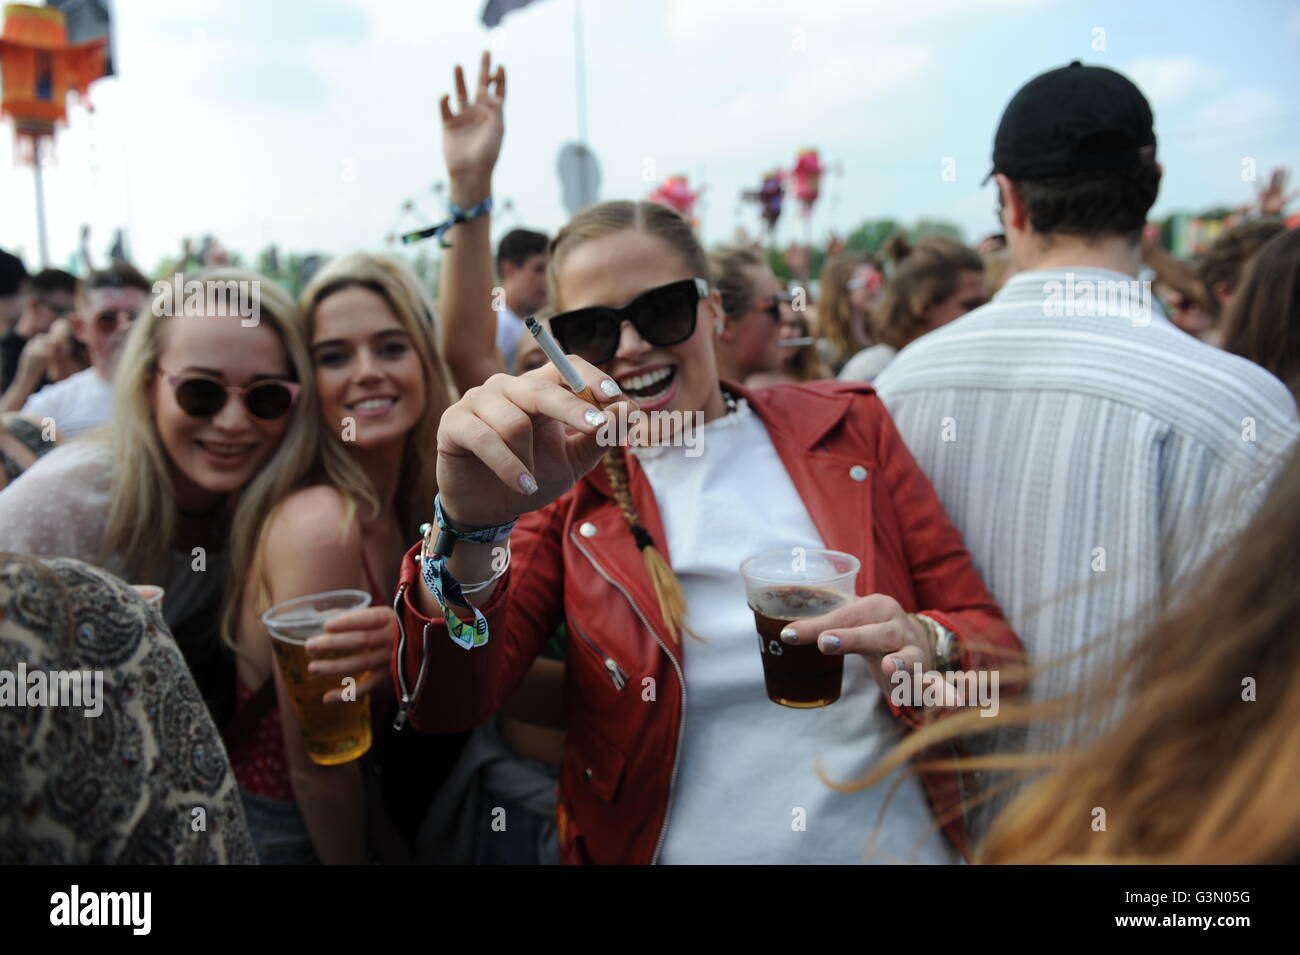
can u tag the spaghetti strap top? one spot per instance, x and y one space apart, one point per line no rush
378 595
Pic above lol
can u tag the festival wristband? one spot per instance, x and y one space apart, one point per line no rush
445 588
458 215
467 632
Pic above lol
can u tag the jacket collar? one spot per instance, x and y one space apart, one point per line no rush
797 421
803 421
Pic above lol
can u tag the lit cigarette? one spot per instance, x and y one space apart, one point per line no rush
551 348
796 342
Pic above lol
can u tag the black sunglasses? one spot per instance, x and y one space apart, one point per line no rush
773 309
202 397
662 316
109 320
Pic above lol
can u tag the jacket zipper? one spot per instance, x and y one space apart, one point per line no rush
681 680
407 698
616 673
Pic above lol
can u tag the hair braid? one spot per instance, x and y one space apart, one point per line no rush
672 602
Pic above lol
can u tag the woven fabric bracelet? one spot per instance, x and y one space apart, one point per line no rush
465 630
458 215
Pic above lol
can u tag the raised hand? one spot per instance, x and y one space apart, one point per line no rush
471 135
1273 198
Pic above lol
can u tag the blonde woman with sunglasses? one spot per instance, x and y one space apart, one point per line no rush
212 424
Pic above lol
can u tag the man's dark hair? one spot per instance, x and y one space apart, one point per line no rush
119 274
1092 205
1227 256
52 280
518 246
12 274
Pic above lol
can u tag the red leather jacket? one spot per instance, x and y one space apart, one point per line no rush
576 561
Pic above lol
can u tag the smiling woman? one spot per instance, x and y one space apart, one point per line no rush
381 388
157 496
592 527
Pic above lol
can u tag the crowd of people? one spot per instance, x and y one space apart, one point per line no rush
1049 477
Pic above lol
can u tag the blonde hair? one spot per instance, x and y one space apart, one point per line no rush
142 505
806 364
730 265
598 221
924 275
406 299
834 309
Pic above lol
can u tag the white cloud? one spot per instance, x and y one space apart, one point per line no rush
1240 108
1170 79
693 22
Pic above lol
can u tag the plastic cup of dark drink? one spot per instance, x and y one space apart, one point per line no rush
793 584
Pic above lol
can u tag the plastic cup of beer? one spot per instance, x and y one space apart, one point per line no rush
152 594
333 732
793 584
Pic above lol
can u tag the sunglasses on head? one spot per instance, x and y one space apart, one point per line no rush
662 316
201 397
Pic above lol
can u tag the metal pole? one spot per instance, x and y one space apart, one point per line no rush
40 202
580 72
580 78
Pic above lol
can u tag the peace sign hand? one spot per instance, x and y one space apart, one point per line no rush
471 136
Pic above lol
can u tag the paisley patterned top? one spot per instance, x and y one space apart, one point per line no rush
59 508
147 779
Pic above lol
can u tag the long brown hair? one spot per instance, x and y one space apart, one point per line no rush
598 221
1201 767
1263 320
924 274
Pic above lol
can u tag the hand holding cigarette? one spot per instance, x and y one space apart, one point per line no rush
514 444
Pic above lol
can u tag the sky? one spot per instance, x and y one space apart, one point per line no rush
309 123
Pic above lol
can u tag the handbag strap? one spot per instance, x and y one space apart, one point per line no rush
247 717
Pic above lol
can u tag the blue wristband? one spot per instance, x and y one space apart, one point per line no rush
443 586
458 215
464 631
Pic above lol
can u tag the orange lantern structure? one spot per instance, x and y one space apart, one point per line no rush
38 68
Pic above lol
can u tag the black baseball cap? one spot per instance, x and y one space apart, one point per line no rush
1074 119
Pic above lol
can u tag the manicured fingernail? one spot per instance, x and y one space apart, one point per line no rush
789 635
609 388
313 667
830 641
527 484
594 417
899 664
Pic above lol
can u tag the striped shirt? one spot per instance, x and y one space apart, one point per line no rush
1090 453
